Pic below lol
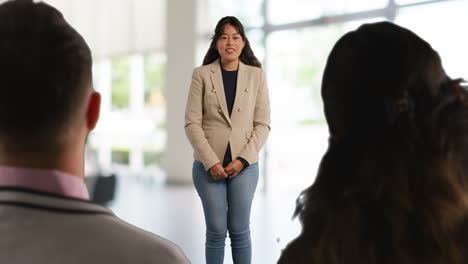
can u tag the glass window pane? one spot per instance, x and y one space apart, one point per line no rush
154 67
443 25
335 7
247 11
202 45
294 75
280 11
120 156
406 2
296 60
120 82
256 43
153 158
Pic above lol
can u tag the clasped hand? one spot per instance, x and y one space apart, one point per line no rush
232 169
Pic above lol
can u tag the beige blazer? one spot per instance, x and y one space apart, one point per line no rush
208 125
38 227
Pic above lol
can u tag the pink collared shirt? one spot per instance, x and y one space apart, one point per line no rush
51 181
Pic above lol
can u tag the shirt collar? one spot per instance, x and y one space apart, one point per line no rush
46 180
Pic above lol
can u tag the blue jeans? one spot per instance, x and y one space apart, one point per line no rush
226 204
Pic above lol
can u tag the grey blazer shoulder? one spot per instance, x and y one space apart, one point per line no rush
208 125
42 228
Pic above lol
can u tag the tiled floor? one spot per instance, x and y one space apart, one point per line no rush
176 214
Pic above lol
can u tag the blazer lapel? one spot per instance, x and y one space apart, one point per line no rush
241 88
218 87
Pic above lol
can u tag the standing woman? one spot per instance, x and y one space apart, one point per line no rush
227 121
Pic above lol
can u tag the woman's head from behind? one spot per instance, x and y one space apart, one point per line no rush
230 43
386 95
396 163
377 75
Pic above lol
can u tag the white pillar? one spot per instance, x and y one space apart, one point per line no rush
180 46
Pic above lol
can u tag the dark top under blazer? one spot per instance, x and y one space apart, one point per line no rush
230 83
230 87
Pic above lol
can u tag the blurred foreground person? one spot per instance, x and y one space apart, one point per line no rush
392 186
47 109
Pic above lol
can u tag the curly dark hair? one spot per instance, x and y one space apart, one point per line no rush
247 56
392 186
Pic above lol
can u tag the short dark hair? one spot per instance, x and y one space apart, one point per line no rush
45 68
247 55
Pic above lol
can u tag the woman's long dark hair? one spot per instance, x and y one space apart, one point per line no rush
247 56
392 186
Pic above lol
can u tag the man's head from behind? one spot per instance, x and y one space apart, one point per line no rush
46 97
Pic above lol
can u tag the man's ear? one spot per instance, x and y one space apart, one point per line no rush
92 114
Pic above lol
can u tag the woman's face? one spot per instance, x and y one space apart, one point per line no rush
230 44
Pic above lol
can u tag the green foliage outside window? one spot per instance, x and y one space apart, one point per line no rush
120 82
312 63
154 67
153 158
120 156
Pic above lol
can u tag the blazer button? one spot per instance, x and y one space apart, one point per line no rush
246 89
213 90
219 110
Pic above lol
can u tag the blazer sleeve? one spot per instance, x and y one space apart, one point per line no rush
261 123
193 123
